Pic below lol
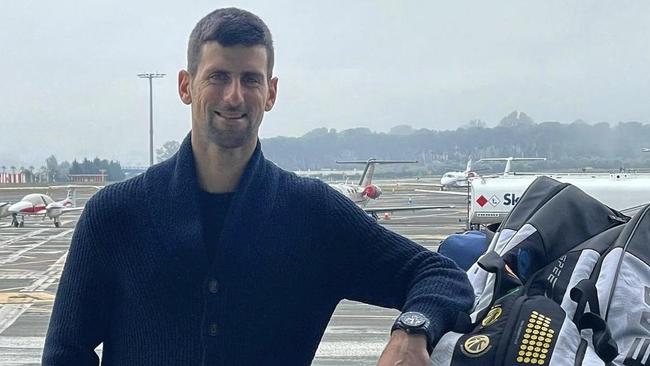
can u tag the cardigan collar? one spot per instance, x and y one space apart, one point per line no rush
173 191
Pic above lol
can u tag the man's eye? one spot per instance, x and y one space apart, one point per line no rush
251 80
219 77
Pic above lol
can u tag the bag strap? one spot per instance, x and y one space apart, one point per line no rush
604 345
583 293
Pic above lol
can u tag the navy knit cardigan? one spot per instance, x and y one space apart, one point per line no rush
137 278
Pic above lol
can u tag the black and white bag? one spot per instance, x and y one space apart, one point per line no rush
553 241
553 219
618 291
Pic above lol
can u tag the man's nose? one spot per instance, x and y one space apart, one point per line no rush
233 94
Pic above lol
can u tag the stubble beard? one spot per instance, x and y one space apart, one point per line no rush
228 138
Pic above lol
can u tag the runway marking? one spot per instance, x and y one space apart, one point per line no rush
21 237
9 313
14 257
22 342
20 276
25 297
25 263
350 349
39 224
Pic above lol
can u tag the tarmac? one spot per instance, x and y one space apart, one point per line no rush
32 258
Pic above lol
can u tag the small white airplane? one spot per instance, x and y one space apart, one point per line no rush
365 190
449 179
457 179
462 179
39 204
646 149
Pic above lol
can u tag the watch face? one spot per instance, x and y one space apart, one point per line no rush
413 319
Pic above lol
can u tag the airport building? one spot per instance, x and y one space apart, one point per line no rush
13 178
88 178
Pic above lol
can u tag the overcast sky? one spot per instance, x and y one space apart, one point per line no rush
69 84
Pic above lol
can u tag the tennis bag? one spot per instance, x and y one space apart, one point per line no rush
527 325
618 291
536 195
559 218
521 328
524 313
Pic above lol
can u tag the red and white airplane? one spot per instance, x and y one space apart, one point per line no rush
38 204
41 205
365 190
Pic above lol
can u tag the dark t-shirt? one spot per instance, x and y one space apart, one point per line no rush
214 207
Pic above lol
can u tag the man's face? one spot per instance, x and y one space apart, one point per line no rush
229 94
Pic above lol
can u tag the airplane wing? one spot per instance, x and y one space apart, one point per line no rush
449 193
74 186
22 188
374 210
71 209
419 184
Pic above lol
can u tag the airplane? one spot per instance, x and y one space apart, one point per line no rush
365 190
645 149
457 179
449 179
39 204
508 168
461 179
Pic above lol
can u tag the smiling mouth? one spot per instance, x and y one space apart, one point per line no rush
230 115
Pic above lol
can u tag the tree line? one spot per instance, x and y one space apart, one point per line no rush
568 146
53 171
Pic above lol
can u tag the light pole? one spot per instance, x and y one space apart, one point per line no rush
150 77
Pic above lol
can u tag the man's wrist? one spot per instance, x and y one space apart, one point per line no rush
406 340
414 324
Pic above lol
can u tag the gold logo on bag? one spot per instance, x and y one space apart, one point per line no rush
476 344
492 316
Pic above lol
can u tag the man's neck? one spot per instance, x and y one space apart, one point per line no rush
218 169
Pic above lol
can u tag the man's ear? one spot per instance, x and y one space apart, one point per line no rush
184 86
273 93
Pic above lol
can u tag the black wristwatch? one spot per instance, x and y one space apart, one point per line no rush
413 322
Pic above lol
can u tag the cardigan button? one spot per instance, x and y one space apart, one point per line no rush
212 330
213 286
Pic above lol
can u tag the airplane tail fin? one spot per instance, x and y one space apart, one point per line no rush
369 171
508 169
72 196
469 166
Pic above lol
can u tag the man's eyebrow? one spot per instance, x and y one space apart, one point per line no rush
217 71
253 73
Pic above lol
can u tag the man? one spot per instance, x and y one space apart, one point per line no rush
218 257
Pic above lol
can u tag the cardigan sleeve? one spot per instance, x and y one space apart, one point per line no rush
383 268
80 314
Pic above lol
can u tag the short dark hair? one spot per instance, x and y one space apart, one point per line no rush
230 27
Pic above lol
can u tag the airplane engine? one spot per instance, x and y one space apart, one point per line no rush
372 191
54 210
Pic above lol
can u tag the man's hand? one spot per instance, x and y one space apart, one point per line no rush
405 350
